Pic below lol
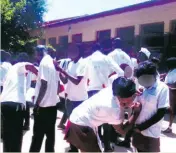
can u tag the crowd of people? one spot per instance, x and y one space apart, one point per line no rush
103 97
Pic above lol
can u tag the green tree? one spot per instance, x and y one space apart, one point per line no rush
18 17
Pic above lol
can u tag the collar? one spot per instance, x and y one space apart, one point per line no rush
154 85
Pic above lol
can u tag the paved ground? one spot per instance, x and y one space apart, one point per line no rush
168 142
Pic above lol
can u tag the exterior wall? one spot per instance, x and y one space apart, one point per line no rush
164 13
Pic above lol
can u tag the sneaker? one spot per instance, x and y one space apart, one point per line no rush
168 130
124 144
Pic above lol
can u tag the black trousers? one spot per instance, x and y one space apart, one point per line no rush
27 115
44 124
12 118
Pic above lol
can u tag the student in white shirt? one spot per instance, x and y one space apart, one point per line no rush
118 55
100 69
170 80
5 65
13 103
103 107
30 92
63 95
76 80
45 110
155 101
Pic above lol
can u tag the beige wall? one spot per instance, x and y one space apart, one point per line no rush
164 13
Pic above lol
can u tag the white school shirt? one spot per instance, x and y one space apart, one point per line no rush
171 77
120 57
100 67
101 108
77 92
152 99
14 88
48 73
134 62
4 68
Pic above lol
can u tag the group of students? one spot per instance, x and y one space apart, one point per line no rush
97 92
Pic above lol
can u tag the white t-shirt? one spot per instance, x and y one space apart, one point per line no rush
48 73
101 108
153 99
100 67
134 62
4 68
77 92
171 77
120 57
14 88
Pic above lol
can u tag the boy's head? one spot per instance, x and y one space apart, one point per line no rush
146 74
143 55
40 51
23 57
125 90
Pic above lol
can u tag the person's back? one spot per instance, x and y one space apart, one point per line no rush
14 88
95 111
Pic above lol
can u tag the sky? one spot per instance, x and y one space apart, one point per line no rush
59 9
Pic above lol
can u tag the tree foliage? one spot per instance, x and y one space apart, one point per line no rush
18 17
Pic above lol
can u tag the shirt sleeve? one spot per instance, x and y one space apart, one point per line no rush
44 72
117 117
81 70
163 99
114 67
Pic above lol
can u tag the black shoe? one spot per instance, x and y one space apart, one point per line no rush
26 128
72 150
124 144
110 149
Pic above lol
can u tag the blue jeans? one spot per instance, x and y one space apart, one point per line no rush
70 105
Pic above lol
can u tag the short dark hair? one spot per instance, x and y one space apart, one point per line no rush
123 87
146 68
171 63
23 57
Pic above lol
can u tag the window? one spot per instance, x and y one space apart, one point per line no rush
152 35
173 27
104 38
52 41
63 43
77 38
103 35
42 41
127 36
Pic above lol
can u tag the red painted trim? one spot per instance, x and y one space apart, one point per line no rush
107 13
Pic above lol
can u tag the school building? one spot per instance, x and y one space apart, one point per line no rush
150 24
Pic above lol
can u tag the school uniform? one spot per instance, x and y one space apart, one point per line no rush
12 106
45 117
4 68
152 99
100 68
76 94
101 108
171 79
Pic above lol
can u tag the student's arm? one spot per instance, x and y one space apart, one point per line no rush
63 78
31 68
153 120
136 111
163 103
45 76
42 92
115 69
75 80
